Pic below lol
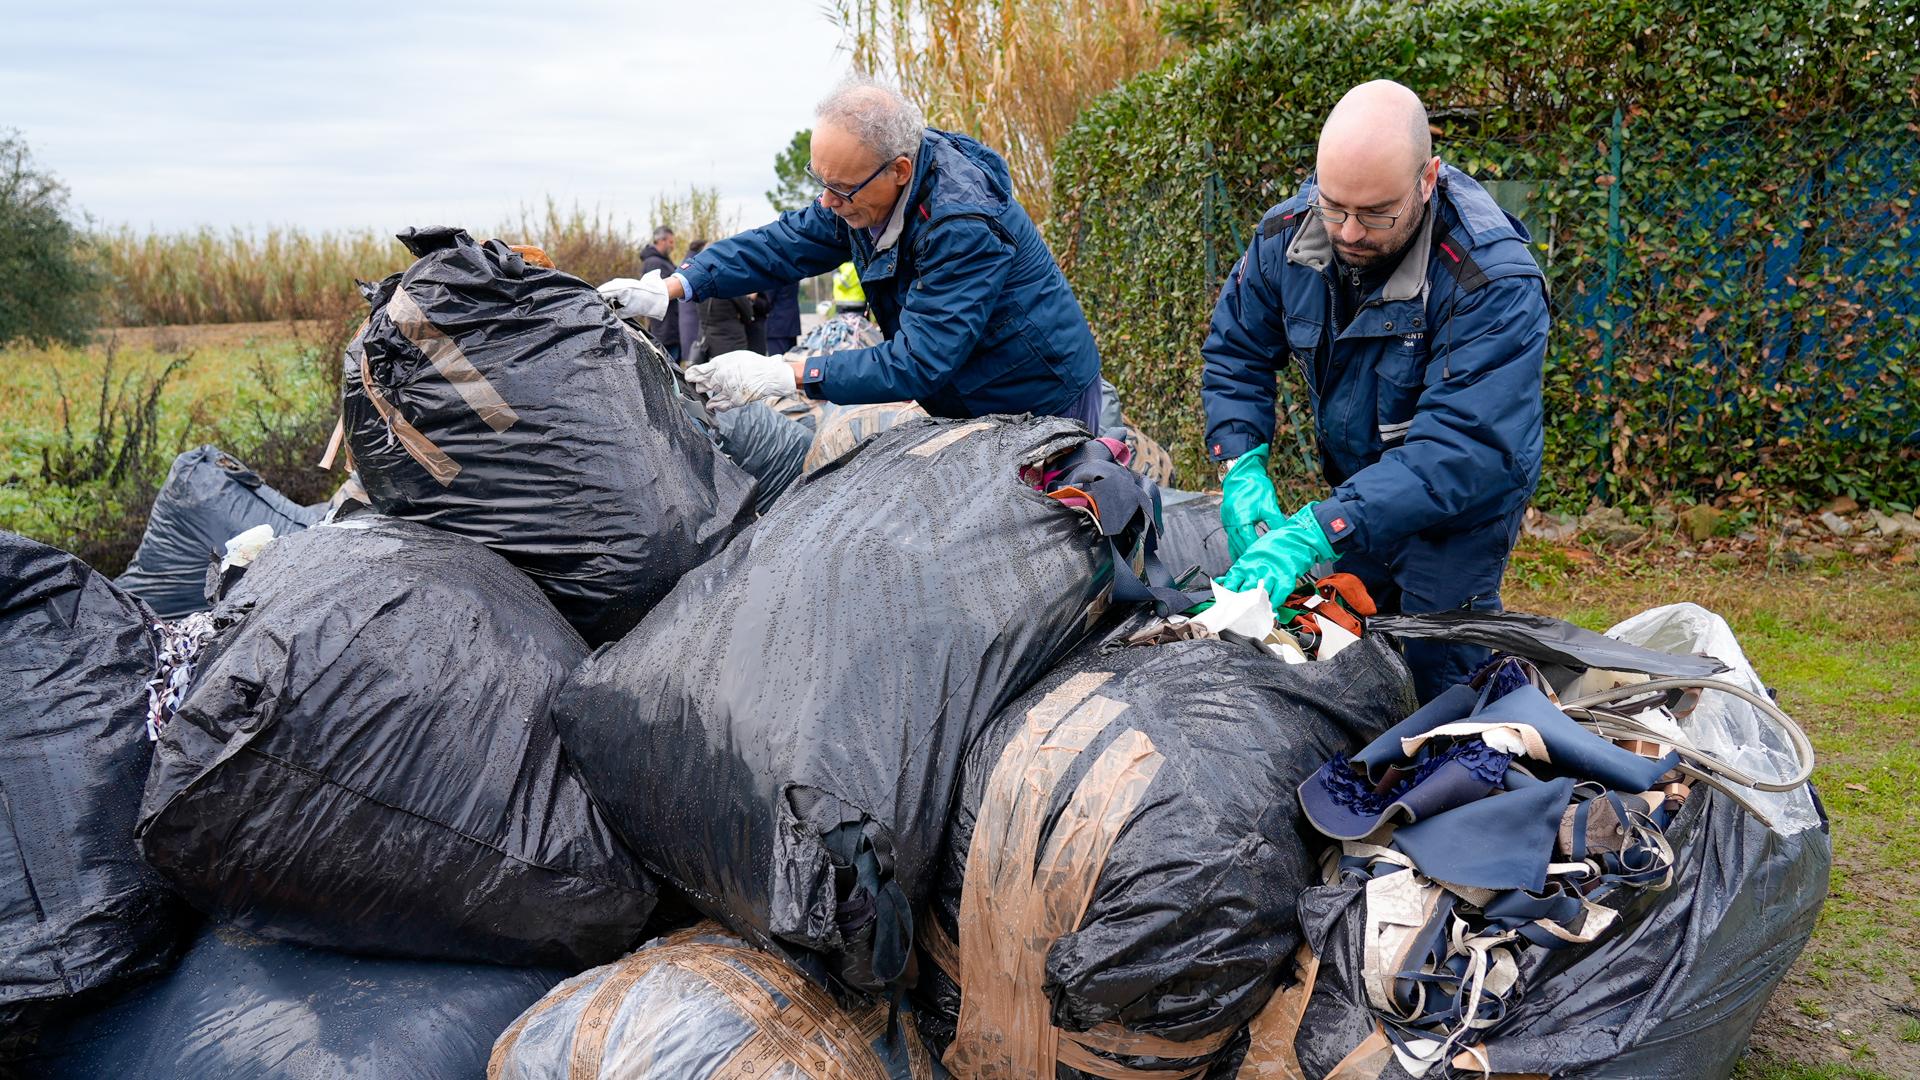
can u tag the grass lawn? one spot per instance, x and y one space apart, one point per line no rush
1840 644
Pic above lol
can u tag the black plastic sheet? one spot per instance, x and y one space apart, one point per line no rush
781 737
1545 640
1191 534
1672 994
240 1008
79 910
208 499
562 441
1191 924
365 761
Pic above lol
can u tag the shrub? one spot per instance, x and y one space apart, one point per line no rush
1721 193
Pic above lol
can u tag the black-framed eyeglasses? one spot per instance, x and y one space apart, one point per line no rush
855 189
1368 219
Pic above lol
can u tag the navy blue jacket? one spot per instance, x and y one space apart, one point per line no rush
977 315
1428 404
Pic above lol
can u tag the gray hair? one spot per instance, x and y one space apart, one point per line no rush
661 232
876 114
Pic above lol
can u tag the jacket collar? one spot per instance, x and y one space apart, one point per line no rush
1313 248
897 221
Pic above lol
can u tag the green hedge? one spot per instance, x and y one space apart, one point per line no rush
1722 196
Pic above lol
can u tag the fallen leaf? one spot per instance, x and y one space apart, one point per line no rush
1861 788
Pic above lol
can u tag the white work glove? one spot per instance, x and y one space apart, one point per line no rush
741 377
645 298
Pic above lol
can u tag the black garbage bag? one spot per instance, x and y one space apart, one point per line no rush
507 403
780 738
208 499
1671 994
365 761
1191 534
242 1008
79 910
1127 849
769 446
702 1003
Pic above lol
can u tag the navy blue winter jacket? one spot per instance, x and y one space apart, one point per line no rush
1427 405
977 315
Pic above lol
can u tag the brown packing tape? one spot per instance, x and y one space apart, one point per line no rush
1011 914
1270 1037
333 443
948 438
998 1033
450 362
1469 1061
418 447
811 1031
1365 1061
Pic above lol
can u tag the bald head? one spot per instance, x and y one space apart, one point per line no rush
1375 155
1378 127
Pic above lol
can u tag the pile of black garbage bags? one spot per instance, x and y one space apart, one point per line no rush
564 751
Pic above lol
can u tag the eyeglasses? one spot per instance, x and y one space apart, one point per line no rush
855 189
1369 220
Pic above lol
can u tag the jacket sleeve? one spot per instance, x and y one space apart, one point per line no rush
964 264
1247 337
1476 433
797 244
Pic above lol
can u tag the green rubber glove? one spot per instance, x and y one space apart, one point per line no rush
1247 500
1279 558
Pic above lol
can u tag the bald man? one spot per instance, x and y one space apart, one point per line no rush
1407 302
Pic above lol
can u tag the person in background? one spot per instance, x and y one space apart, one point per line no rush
1408 302
783 318
848 297
977 315
757 325
725 324
658 255
689 316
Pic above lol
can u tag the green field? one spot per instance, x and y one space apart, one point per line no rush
264 392
1835 639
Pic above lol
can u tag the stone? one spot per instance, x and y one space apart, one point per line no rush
1836 524
1793 527
1553 528
1609 526
1841 504
1895 525
1748 536
1702 522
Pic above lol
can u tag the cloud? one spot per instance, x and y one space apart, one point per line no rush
358 114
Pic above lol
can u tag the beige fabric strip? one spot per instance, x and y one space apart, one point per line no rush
450 362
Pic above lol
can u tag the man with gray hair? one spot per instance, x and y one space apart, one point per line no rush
1409 305
657 257
977 316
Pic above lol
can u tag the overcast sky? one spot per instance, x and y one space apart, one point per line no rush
351 114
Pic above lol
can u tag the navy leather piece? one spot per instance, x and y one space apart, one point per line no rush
1575 750
1459 846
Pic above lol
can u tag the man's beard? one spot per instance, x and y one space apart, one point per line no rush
1368 258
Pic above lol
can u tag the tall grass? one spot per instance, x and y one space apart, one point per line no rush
212 276
1013 73
209 275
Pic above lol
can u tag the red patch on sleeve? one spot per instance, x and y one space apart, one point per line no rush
1339 524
